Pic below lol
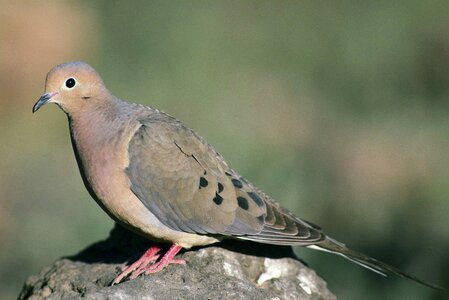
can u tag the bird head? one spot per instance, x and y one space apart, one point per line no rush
72 86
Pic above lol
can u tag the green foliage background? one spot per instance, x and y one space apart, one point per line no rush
337 110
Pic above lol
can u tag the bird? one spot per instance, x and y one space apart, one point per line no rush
158 178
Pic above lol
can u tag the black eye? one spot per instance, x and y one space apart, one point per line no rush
70 83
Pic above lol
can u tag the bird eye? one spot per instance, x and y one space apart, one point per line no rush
70 83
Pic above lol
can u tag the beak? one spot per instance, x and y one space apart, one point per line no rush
43 100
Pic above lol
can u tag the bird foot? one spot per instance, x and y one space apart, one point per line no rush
167 259
143 264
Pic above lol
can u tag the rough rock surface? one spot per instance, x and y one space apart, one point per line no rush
229 270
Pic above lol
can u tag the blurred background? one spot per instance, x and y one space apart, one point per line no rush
340 111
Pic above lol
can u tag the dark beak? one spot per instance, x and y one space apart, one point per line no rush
42 101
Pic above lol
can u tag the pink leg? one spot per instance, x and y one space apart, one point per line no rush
142 265
167 259
149 256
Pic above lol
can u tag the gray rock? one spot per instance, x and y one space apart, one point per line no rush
229 270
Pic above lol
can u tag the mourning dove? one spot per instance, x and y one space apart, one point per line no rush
160 179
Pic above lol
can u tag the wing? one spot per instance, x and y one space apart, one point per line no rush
183 181
189 187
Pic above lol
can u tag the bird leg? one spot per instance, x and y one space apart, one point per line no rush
162 263
167 259
149 256
143 264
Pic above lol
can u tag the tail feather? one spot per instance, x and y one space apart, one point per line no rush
332 246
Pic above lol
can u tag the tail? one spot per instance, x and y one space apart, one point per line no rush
332 246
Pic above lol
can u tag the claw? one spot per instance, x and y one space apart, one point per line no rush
143 264
148 257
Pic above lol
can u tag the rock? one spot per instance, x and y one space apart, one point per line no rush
229 270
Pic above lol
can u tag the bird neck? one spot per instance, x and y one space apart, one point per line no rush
96 136
95 125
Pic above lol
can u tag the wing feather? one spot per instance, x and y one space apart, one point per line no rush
189 187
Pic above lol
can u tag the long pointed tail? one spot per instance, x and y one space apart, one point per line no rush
332 246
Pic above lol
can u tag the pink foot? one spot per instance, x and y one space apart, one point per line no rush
167 259
143 264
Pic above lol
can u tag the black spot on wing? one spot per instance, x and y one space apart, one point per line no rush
203 182
256 198
237 183
243 203
217 199
220 187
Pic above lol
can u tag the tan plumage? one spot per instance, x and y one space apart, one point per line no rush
157 177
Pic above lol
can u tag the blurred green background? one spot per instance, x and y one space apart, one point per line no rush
340 111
